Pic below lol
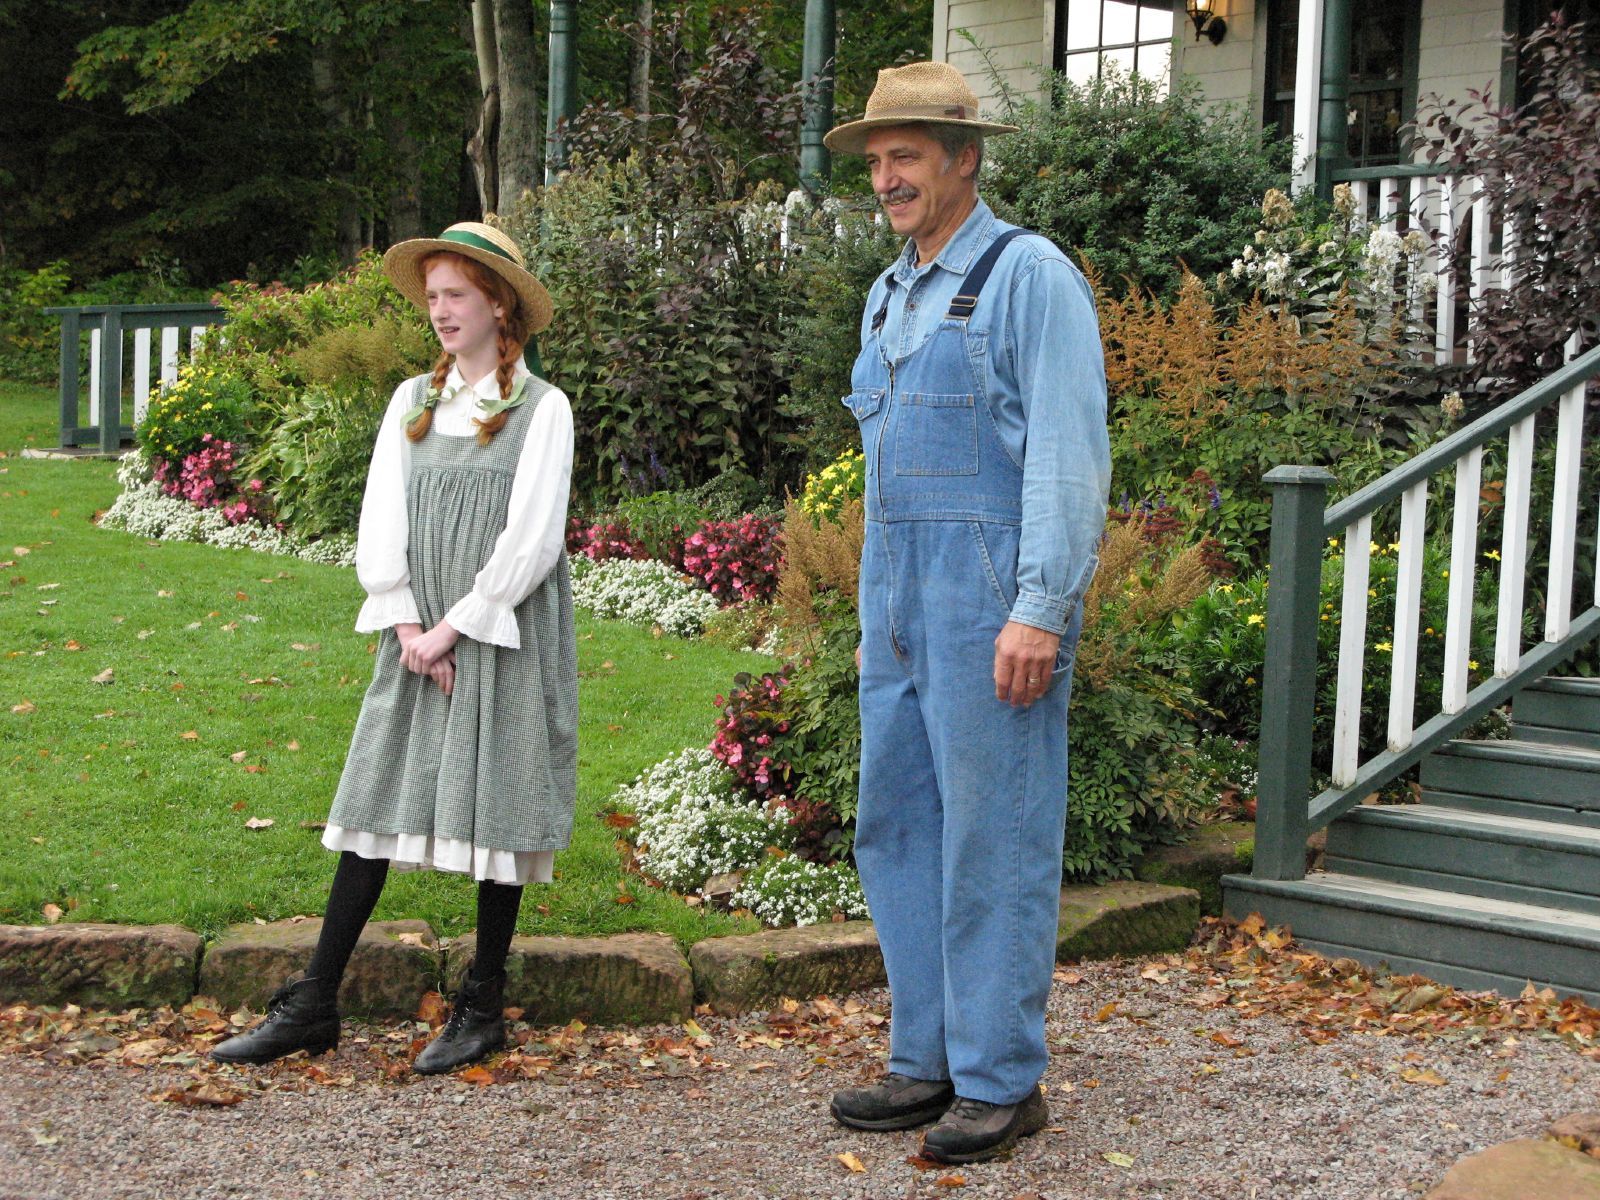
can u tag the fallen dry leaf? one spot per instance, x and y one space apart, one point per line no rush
189 735
1105 1011
851 1162
1117 1158
105 676
1427 1077
52 913
433 1009
259 823
481 1076
24 708
950 1181
239 756
292 746
198 1095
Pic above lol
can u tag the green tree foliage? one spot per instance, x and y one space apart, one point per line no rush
1143 186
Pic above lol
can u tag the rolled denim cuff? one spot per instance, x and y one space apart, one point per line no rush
380 610
1042 612
483 620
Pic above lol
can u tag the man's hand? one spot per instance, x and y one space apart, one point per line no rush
1024 657
422 651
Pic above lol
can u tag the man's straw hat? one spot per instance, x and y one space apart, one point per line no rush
922 91
481 243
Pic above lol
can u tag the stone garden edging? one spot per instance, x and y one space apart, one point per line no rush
630 978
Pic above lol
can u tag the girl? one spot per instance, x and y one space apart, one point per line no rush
464 755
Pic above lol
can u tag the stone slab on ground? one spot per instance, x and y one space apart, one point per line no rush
1125 918
625 979
734 974
1522 1170
101 966
394 964
1211 851
1581 1131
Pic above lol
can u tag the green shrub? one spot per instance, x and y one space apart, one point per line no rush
839 253
661 521
314 457
1221 640
1143 186
208 399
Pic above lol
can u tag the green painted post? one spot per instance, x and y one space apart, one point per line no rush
562 95
817 69
1289 675
1333 114
111 382
69 377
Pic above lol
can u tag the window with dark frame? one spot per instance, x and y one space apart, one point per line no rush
1135 38
1383 74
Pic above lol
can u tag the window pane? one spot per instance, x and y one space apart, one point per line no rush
1280 75
1155 62
1083 24
1083 68
1155 23
1121 59
1121 22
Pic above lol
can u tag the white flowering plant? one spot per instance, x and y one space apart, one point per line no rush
1307 256
642 592
696 821
786 890
144 509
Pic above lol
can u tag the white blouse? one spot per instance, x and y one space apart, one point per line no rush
526 551
523 555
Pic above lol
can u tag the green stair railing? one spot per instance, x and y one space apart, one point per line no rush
1286 812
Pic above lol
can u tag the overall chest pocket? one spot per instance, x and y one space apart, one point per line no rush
936 434
865 403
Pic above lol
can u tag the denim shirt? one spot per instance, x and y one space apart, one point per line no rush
1047 387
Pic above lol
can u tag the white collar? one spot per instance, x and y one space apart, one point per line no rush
487 388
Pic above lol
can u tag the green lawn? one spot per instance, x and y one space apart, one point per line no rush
122 800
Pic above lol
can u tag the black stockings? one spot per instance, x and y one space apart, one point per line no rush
358 883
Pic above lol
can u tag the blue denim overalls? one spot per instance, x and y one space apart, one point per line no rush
963 797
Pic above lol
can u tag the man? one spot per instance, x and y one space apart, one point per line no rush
980 389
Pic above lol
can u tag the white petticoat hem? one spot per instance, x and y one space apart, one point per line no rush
423 852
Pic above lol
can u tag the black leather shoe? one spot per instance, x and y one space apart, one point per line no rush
899 1102
973 1130
477 1027
298 1018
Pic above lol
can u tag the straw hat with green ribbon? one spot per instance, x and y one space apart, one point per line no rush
481 243
924 91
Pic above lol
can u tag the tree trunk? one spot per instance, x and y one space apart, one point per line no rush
639 57
520 137
481 148
336 114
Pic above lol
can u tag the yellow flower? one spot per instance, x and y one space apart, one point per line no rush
1494 554
1375 548
1255 619
1394 547
1444 574
1472 664
1372 594
1383 646
1334 542
1325 617
1251 679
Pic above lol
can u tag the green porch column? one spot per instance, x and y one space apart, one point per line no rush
817 68
1333 124
562 95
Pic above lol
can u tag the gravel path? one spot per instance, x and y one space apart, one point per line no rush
1203 1102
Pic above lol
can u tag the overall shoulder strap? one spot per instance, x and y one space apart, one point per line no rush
883 310
964 301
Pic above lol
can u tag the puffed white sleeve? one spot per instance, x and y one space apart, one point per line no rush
535 532
382 537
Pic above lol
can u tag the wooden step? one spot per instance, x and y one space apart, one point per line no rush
1582 739
1465 941
1565 777
1532 861
1559 703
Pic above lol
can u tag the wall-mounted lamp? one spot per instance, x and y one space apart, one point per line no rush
1206 22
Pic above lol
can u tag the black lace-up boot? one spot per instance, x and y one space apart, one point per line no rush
299 1017
898 1102
974 1130
477 1027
